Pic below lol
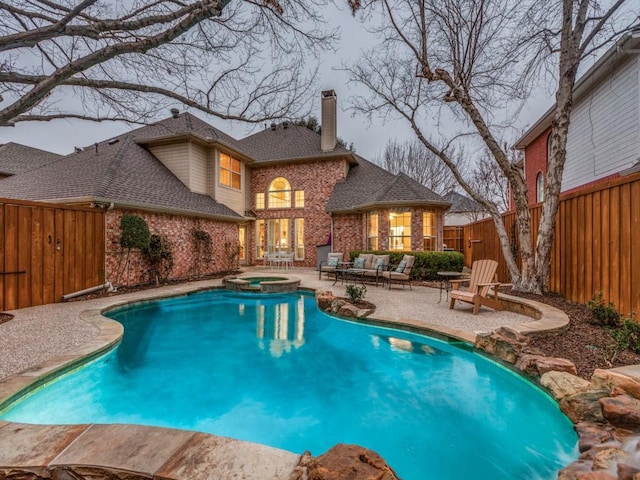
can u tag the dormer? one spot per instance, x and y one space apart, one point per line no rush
206 166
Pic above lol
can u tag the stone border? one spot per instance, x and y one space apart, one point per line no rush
241 284
150 452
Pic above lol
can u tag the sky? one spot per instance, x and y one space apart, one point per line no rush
369 138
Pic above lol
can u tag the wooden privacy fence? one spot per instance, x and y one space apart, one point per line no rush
596 232
453 238
48 250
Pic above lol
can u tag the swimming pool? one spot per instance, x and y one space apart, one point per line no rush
273 369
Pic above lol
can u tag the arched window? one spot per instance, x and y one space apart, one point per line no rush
540 187
279 193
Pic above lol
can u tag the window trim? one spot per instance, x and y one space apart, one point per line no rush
231 172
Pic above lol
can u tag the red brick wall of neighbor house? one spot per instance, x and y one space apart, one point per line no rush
535 162
348 233
178 229
317 179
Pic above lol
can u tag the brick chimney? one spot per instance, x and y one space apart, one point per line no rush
328 121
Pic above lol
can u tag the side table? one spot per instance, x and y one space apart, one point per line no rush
445 281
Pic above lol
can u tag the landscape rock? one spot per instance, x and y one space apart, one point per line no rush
336 303
538 365
591 435
610 379
584 406
324 299
504 343
628 470
348 462
607 458
575 471
563 384
364 312
348 311
622 411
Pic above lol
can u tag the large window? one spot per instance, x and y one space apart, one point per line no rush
279 193
429 231
299 239
540 187
400 230
372 231
230 173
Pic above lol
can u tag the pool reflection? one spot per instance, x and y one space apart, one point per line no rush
280 326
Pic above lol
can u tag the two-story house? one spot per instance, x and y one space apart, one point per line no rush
285 188
603 140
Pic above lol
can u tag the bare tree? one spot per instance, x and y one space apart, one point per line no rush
467 59
413 159
240 59
490 182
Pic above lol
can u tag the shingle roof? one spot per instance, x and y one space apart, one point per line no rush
16 158
120 171
291 143
368 185
462 204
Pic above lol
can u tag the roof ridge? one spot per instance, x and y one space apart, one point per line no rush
112 169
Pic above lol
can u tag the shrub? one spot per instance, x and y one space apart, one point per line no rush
625 336
426 265
356 293
603 315
160 256
134 232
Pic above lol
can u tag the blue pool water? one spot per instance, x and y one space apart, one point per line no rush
273 369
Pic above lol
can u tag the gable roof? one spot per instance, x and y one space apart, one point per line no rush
286 144
598 72
462 204
118 170
16 158
368 185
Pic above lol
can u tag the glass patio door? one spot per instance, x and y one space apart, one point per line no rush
278 235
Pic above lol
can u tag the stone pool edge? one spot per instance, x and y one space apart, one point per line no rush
152 452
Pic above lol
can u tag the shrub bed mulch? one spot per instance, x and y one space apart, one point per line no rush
583 343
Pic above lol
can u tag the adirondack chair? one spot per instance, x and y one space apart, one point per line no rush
483 274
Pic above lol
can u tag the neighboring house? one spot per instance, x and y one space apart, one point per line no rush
463 210
603 140
16 159
285 188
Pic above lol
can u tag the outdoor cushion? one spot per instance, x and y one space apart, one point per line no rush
379 263
368 260
401 266
358 262
332 262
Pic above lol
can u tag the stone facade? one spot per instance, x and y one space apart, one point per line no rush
317 179
179 230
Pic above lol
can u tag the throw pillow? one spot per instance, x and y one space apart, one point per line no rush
358 262
332 262
401 266
379 263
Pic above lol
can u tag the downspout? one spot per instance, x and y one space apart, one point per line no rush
79 293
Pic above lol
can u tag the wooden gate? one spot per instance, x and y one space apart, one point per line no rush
48 250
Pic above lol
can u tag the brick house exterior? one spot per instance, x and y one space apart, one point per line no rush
603 141
285 188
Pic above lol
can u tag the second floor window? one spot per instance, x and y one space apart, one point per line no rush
279 193
230 171
259 201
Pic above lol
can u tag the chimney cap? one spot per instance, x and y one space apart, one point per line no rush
175 112
273 125
328 93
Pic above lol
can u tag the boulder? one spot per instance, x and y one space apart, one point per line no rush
563 384
591 435
348 311
584 406
610 379
622 411
575 471
364 312
608 458
537 365
336 303
628 470
504 343
348 462
324 299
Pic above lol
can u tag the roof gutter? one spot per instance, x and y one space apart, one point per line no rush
350 155
199 139
109 204
407 203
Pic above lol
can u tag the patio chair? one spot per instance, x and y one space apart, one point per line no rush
481 281
333 259
401 273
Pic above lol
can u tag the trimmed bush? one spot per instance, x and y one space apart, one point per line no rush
427 264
